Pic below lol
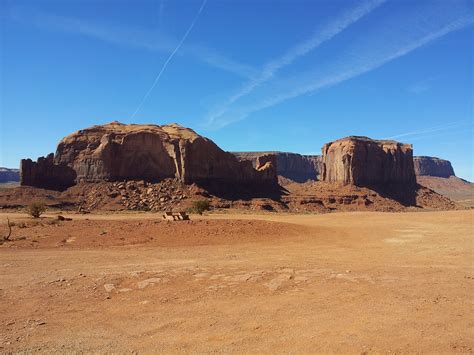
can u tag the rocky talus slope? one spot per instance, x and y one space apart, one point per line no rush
458 190
438 175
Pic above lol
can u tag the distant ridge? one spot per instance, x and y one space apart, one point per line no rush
9 175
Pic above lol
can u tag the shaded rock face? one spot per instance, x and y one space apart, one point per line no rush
293 166
431 166
365 162
117 151
44 173
9 175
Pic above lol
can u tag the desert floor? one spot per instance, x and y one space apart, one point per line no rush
340 282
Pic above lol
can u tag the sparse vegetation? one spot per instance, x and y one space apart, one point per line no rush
36 209
201 206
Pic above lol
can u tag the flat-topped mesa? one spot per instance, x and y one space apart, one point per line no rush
293 166
118 151
431 166
9 175
366 162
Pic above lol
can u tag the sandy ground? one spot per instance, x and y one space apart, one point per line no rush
341 282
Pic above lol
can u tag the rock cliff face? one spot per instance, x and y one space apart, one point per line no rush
364 162
431 166
117 151
46 174
9 175
296 167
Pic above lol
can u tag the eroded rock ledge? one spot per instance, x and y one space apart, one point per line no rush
431 166
293 166
116 151
363 161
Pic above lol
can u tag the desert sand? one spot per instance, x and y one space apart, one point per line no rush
340 282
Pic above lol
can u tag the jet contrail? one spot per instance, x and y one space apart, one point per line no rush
443 127
163 68
319 37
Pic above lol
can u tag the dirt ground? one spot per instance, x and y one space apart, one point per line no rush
340 282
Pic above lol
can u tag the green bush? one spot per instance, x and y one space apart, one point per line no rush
200 206
36 209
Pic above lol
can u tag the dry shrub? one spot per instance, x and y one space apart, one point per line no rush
36 209
200 206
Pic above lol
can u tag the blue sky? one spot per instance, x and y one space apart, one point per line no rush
251 75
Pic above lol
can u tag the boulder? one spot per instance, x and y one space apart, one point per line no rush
431 166
116 152
366 162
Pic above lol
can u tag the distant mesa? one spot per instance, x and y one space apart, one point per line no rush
9 175
292 166
431 166
352 160
115 152
301 168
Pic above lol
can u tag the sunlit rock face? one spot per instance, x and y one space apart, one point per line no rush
117 151
363 161
293 166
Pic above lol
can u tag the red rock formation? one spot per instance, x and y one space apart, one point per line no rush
267 165
364 162
117 151
431 166
293 166
45 173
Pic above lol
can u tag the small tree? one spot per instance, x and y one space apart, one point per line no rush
36 209
200 206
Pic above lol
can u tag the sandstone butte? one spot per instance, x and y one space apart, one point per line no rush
117 151
365 162
301 168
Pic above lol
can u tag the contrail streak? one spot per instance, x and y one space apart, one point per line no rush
443 127
372 64
299 50
163 68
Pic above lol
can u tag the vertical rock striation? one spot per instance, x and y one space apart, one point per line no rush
293 166
365 162
117 151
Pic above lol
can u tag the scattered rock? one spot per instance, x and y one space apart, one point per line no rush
109 287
